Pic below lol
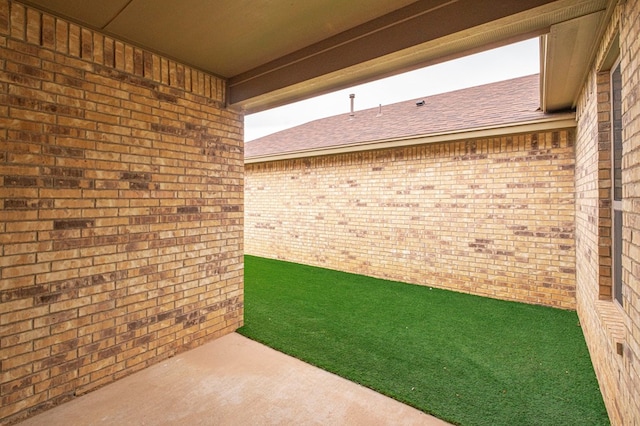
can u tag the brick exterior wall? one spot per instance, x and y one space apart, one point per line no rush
604 323
493 217
630 46
121 206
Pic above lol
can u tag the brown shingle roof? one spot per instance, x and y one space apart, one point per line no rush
489 105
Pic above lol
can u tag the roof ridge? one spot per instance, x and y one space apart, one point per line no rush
490 104
451 92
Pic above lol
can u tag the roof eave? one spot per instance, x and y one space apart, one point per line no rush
566 53
558 121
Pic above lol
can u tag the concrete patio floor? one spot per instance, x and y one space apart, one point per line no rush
233 381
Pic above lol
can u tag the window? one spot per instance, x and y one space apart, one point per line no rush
616 178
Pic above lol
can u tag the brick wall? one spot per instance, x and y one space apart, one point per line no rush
493 217
630 46
604 323
121 199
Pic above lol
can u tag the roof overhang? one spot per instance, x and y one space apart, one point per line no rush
566 53
342 65
556 122
276 52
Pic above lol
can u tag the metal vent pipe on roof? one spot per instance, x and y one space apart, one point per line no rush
352 97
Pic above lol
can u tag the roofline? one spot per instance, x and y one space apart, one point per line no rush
559 121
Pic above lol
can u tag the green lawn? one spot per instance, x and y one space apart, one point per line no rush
466 359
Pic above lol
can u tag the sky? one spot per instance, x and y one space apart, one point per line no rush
514 60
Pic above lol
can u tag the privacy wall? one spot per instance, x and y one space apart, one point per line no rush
493 217
612 331
121 203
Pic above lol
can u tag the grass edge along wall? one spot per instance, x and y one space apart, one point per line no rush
467 359
121 198
492 217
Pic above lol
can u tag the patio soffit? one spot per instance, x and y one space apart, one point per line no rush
274 52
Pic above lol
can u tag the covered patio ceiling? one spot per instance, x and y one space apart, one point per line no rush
273 52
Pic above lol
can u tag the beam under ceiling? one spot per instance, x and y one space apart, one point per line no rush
418 35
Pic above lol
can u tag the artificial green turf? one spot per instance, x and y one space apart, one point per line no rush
466 359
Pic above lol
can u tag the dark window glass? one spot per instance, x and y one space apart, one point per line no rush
616 175
617 256
616 118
